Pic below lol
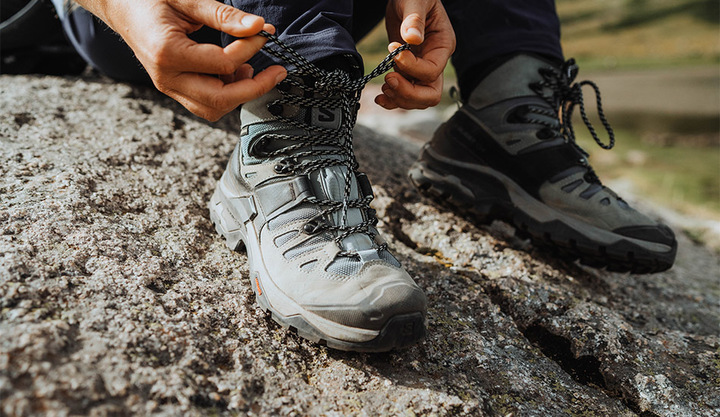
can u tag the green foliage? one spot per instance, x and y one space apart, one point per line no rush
640 33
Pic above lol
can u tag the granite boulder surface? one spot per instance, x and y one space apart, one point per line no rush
117 296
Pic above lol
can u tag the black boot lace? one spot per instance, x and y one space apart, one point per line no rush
565 96
322 147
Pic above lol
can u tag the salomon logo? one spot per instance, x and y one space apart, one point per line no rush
329 118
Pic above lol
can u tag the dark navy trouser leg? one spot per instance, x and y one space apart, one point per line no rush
316 29
485 29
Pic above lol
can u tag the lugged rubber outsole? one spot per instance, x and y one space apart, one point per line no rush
399 332
474 203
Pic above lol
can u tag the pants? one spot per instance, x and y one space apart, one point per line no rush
485 31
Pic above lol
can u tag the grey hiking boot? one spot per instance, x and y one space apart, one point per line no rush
292 196
507 155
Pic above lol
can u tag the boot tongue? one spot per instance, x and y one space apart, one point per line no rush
329 182
511 79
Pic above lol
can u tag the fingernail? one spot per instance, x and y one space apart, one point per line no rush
248 20
413 32
280 77
247 72
392 82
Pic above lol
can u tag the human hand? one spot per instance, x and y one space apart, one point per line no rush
417 80
156 30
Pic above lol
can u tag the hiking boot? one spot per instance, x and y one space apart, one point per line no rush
292 196
510 154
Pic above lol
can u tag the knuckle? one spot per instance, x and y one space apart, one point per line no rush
161 85
436 75
194 109
205 113
162 54
226 66
413 18
224 14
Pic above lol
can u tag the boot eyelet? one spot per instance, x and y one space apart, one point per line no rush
285 166
313 226
544 134
257 148
275 109
545 72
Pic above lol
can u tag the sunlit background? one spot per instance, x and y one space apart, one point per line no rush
657 63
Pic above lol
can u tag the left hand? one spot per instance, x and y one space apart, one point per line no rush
417 80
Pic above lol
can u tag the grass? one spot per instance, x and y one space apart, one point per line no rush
685 178
640 33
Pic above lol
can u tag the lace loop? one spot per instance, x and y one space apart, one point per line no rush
566 95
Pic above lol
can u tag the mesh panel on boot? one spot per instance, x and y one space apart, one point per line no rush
313 243
300 213
285 238
344 266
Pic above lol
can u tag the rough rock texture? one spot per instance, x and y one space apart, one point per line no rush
118 297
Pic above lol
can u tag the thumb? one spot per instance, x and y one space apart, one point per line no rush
412 29
221 17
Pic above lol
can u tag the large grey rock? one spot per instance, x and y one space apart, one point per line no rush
118 297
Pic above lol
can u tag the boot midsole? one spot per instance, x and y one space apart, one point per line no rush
530 206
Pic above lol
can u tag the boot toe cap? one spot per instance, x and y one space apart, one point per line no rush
659 233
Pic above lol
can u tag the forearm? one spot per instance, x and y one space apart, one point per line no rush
104 9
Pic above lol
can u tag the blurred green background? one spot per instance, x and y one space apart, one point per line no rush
657 63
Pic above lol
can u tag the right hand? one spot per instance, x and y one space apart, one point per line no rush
156 30
417 79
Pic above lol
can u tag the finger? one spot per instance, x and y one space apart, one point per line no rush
412 96
426 67
196 108
184 55
412 29
241 50
385 102
215 94
195 92
245 71
218 16
212 59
